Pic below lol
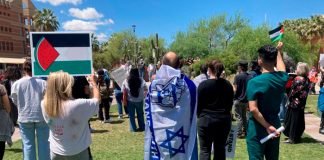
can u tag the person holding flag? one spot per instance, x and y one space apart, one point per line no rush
171 131
265 93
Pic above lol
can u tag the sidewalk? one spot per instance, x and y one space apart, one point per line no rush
312 124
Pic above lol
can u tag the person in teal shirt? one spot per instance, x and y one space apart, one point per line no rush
264 94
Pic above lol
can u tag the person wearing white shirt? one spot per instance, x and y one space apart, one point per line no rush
68 118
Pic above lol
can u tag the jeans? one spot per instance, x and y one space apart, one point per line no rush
322 120
104 105
138 107
150 75
27 132
283 109
119 97
240 114
142 72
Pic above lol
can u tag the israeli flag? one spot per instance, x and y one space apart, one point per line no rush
171 131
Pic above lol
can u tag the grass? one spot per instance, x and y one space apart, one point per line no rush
311 105
115 142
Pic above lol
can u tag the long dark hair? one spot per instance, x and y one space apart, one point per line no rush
134 82
216 68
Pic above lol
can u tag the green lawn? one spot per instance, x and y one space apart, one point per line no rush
311 105
115 142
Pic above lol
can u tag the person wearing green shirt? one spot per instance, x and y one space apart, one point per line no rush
264 94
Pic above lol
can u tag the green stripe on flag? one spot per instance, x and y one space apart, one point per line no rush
277 38
72 67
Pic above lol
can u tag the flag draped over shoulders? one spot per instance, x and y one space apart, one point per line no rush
171 117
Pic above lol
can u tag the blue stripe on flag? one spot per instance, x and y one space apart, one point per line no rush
193 90
154 150
193 94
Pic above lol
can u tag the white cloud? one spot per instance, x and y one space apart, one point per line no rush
88 13
111 21
102 37
80 25
58 2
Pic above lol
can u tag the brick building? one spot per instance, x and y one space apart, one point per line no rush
15 24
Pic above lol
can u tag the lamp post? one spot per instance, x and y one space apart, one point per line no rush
134 59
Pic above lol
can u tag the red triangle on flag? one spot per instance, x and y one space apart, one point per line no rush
46 54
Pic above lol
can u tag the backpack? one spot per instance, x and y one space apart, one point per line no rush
320 102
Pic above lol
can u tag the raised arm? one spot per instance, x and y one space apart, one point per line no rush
95 90
280 63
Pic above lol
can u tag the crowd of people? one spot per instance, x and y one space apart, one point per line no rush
54 112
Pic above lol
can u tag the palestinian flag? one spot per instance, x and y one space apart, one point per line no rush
52 51
276 34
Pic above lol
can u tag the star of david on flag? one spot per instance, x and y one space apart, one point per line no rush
170 136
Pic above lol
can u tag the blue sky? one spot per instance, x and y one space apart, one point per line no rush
166 17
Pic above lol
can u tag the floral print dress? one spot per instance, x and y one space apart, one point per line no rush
295 119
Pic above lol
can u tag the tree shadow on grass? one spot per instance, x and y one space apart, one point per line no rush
308 140
100 131
308 112
93 119
117 122
15 150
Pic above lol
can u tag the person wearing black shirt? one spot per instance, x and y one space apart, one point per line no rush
240 101
215 100
81 89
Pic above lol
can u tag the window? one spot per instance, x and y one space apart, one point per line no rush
0 46
3 45
6 29
9 29
7 44
11 46
8 15
24 6
0 12
26 21
1 28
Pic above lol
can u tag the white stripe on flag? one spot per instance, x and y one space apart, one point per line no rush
73 53
275 34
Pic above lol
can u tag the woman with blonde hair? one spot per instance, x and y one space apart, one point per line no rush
68 118
295 118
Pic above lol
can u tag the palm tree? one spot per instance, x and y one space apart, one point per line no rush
45 20
95 43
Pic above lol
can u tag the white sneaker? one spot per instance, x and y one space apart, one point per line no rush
120 117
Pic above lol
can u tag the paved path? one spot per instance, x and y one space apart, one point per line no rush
312 123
